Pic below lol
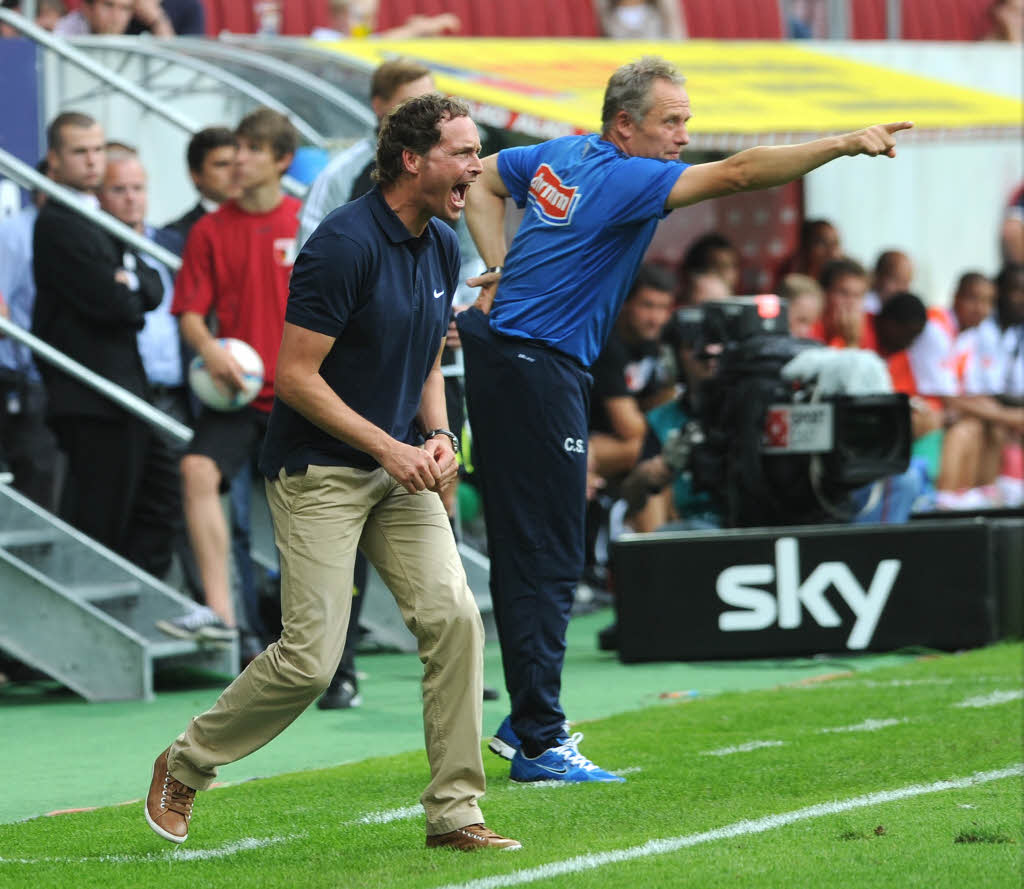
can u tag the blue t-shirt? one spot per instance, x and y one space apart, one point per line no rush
591 212
385 296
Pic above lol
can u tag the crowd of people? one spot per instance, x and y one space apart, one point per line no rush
618 19
960 362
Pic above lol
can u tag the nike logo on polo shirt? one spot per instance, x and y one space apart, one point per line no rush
438 294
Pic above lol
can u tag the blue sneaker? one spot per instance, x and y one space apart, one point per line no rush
506 742
563 763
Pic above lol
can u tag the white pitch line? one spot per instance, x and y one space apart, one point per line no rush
868 725
390 815
171 856
990 700
738 829
742 748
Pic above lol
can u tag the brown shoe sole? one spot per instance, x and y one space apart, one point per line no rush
468 841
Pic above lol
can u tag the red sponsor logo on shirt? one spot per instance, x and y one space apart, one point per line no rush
553 200
776 428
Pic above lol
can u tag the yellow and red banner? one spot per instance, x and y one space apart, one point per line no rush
740 92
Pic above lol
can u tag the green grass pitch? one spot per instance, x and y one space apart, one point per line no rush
908 776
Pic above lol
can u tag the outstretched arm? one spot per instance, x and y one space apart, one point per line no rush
768 166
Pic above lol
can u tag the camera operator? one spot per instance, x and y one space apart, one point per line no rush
658 494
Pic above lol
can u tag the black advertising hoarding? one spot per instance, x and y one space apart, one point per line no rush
804 590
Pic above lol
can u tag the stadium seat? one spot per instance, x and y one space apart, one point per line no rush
944 19
235 16
921 19
298 18
213 21
501 18
868 20
733 19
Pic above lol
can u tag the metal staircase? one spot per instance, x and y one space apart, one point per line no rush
80 613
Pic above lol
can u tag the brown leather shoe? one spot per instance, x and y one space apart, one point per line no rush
471 837
169 803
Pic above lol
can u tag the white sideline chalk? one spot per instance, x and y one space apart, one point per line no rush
740 828
390 815
247 844
868 725
743 748
990 700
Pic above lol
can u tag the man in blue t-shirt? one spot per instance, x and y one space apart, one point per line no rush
592 205
355 454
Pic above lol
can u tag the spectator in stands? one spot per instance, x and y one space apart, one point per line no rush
1006 19
702 287
805 302
48 13
112 17
819 245
1010 319
236 267
211 165
844 323
806 19
658 493
950 360
124 195
183 16
898 327
715 253
26 441
894 273
630 374
1011 235
640 19
358 18
92 293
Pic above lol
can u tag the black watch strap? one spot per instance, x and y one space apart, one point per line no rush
451 435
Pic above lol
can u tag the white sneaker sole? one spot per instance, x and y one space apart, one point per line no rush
172 629
502 748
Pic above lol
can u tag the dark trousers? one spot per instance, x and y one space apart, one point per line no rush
122 487
174 401
27 442
528 408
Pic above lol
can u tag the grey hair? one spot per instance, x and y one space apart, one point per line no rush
629 88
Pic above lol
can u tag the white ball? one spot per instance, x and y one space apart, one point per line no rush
213 394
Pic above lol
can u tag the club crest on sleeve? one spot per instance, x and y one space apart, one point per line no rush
553 201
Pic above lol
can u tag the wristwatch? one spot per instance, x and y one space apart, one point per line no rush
451 435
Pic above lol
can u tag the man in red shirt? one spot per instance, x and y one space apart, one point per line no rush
235 271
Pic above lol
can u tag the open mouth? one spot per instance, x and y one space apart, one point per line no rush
459 194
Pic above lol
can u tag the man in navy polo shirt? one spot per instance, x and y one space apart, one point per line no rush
592 205
355 454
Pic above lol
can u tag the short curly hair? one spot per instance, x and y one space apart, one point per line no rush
414 125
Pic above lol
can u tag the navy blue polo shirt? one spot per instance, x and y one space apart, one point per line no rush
385 296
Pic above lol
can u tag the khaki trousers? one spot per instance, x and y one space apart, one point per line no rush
319 519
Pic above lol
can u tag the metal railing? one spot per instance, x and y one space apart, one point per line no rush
162 52
69 53
139 407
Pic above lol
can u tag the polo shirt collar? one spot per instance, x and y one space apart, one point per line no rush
388 219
